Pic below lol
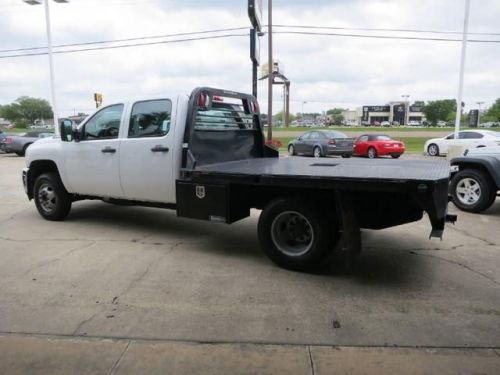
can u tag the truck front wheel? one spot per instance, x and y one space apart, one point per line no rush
296 235
51 198
472 190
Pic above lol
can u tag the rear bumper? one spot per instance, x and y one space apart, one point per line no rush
332 150
391 151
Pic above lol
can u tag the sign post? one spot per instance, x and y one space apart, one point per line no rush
255 15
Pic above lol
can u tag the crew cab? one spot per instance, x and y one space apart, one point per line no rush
204 155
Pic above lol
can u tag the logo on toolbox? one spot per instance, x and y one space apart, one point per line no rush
200 192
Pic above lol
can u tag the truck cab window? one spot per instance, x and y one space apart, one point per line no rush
150 118
105 124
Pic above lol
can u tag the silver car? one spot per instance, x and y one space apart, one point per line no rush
19 143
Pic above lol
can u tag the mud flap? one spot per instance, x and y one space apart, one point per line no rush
349 243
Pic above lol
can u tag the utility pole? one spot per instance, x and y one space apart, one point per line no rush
51 63
270 68
458 115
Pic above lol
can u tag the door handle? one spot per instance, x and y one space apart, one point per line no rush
108 150
159 148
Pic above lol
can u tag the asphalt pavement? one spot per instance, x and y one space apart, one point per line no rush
137 290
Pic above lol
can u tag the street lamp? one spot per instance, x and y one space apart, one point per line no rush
479 112
51 63
304 102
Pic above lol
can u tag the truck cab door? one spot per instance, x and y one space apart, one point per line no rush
92 164
147 152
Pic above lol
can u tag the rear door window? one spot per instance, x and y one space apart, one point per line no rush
150 118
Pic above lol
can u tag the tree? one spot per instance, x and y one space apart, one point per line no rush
280 116
335 115
440 110
26 109
492 113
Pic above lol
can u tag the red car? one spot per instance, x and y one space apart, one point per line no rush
373 145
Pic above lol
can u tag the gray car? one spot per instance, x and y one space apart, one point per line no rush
19 143
320 143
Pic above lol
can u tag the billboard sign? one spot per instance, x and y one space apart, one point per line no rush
255 13
473 118
254 47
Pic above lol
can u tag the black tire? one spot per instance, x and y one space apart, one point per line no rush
395 156
472 190
23 152
433 150
51 198
291 150
346 156
317 153
19 154
297 235
372 153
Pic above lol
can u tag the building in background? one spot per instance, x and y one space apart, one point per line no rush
401 113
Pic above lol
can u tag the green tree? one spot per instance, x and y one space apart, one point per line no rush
280 116
440 110
336 115
27 110
492 113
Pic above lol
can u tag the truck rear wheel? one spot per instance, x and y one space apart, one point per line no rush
296 235
472 190
51 198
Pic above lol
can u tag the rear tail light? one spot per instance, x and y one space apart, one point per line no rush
218 98
255 106
331 142
8 140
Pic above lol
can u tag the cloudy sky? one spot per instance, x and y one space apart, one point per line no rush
325 71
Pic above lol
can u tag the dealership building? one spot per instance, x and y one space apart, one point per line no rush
400 112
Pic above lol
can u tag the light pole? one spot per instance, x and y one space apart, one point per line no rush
479 112
304 102
462 69
51 63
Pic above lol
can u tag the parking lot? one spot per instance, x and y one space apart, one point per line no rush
117 287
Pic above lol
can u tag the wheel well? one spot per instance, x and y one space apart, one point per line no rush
38 167
480 167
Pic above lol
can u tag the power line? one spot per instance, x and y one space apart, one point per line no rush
386 37
385 30
126 39
127 45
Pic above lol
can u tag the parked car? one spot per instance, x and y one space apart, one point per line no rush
373 145
385 123
475 179
466 139
489 124
441 124
414 123
322 143
19 143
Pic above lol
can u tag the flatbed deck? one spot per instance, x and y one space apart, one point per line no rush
265 170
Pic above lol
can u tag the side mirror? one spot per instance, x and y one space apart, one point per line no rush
66 130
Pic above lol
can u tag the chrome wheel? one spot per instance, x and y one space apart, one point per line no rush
47 198
317 152
433 150
292 233
468 191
